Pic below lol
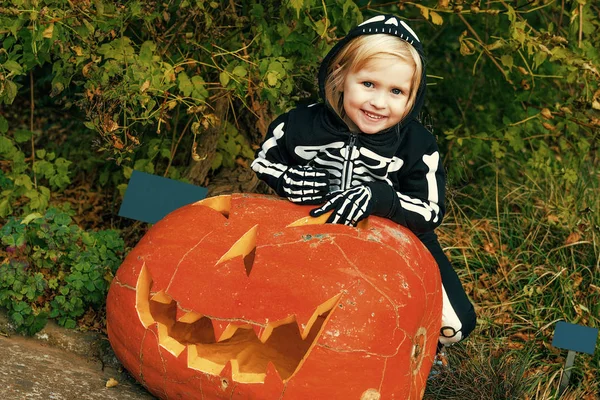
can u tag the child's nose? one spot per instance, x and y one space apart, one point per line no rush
377 100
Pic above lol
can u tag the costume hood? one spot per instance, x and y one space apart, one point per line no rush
388 24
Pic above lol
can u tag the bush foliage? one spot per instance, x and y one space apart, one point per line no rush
513 93
55 269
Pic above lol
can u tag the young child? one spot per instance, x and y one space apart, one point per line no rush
363 151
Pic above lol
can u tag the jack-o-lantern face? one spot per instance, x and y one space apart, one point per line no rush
245 296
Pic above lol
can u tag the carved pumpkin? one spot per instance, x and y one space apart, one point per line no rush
245 297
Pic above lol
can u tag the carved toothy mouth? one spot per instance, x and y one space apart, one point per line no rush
211 342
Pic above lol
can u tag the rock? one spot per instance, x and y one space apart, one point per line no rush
61 364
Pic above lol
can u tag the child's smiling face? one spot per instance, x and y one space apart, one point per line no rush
376 96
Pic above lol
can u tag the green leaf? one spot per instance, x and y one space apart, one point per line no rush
10 89
38 323
240 71
17 318
7 148
570 176
5 208
71 324
16 25
272 78
31 217
276 66
512 15
539 58
184 84
217 161
3 125
24 180
127 171
90 28
147 51
144 165
89 285
200 91
44 168
23 135
347 5
224 78
297 5
62 219
13 67
507 61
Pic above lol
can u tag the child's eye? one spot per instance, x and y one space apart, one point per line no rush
396 91
368 84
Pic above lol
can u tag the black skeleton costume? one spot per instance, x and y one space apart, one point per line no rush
310 156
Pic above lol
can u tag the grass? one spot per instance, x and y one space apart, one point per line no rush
527 252
491 371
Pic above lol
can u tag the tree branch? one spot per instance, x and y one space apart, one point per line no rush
487 52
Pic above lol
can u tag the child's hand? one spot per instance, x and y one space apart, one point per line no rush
350 206
305 185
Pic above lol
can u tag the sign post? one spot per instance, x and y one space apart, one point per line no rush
575 339
149 198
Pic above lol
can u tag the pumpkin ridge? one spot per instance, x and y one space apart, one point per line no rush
366 279
183 258
123 285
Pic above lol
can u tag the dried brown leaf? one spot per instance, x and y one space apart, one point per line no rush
145 86
489 248
111 382
573 238
546 113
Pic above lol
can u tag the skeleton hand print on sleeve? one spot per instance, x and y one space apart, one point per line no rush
305 185
349 206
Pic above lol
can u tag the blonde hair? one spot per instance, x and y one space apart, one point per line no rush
357 54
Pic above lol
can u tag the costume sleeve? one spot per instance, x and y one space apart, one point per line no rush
272 159
418 201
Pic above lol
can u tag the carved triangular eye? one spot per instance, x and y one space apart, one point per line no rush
249 260
245 247
221 204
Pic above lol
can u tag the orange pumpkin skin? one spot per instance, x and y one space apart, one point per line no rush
245 297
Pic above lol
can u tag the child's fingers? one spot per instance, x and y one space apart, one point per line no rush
300 192
316 212
328 206
308 200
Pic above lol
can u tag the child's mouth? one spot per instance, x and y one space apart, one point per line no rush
373 117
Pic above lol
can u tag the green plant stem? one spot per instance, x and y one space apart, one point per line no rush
31 109
174 150
580 24
181 28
